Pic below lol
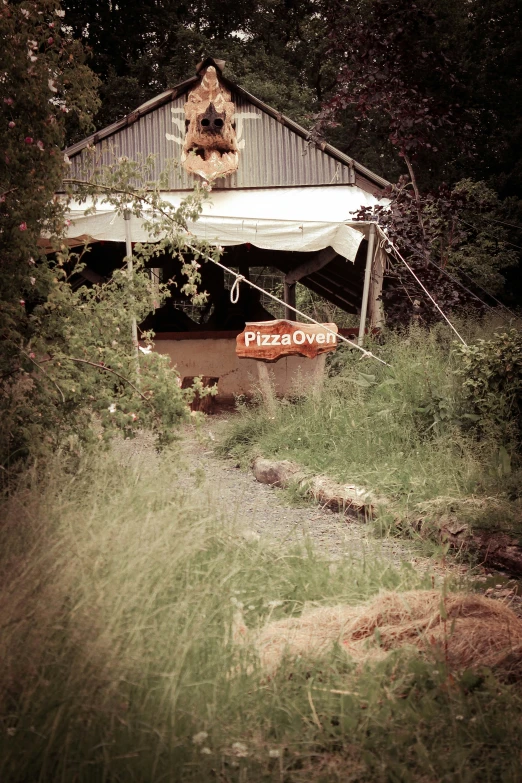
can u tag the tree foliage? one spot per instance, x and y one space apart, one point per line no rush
399 76
45 84
491 372
456 241
69 371
461 61
144 48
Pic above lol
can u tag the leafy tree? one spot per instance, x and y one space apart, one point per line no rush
69 371
434 80
422 112
273 49
45 84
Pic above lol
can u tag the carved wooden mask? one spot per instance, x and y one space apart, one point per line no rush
210 149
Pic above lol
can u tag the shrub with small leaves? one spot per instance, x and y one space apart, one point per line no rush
492 384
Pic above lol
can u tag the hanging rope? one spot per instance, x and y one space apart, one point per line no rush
240 278
234 291
389 244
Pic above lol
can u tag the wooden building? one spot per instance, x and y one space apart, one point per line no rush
277 201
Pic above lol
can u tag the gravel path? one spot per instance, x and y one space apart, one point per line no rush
264 512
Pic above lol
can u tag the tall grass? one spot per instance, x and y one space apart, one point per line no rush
117 594
401 430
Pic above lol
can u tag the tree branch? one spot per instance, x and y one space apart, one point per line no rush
416 191
36 364
107 369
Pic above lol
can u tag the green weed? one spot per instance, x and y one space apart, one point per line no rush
118 592
401 431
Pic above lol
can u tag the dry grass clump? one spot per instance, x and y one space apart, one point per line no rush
466 630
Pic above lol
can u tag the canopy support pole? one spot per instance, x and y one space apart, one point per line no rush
289 299
128 251
366 288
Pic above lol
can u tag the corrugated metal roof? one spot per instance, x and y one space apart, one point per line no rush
274 150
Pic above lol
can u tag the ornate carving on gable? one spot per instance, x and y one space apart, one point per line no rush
210 149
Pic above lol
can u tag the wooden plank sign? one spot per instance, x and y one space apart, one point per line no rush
271 340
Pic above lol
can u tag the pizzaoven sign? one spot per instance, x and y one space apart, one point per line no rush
271 340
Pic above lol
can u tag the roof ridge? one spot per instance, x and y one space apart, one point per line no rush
169 95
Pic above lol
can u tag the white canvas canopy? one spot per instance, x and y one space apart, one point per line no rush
295 219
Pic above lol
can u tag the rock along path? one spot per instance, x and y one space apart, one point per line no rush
264 512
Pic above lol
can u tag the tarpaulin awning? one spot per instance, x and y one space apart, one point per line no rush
292 219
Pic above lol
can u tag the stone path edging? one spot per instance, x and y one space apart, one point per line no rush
493 549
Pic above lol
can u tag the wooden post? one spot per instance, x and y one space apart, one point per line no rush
375 306
155 276
134 326
266 388
366 289
289 299
318 375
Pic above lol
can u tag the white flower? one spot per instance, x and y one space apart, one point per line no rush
24 11
67 160
240 749
274 754
199 738
52 87
60 13
147 349
32 280
112 407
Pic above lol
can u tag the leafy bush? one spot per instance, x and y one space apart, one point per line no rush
492 383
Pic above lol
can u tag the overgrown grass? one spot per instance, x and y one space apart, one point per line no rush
118 590
402 431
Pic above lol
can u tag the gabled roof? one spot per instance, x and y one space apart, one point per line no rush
278 152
